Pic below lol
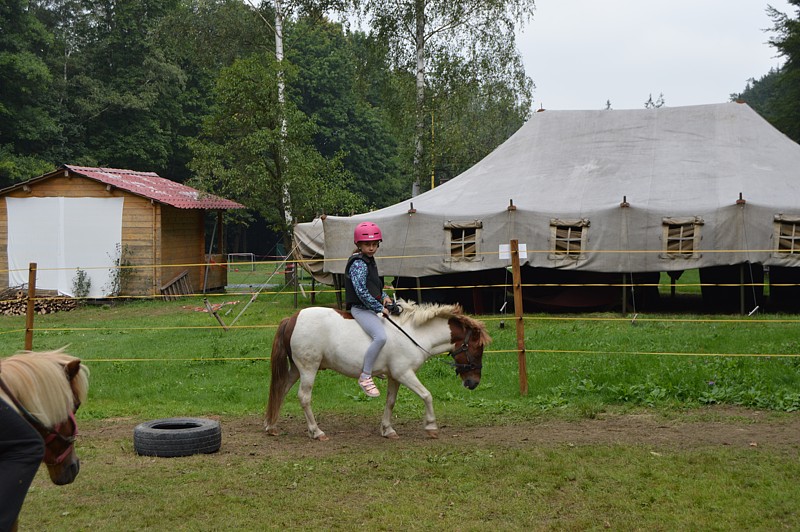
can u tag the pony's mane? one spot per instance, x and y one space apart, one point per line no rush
417 314
39 382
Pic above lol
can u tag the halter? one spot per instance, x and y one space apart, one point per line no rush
48 434
54 434
470 365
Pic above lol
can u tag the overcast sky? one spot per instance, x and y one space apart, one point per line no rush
581 53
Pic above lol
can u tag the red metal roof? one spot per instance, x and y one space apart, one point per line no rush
152 186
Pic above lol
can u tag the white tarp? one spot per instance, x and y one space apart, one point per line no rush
663 164
62 235
309 249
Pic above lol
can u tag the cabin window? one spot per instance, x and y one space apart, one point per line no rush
681 237
463 240
787 235
568 238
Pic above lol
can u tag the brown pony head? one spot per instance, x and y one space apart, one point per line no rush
469 337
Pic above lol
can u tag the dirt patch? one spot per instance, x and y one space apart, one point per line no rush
718 426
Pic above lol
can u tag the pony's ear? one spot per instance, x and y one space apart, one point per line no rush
72 368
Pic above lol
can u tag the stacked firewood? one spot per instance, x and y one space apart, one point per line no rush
14 302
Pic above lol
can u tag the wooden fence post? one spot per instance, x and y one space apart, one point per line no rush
517 280
31 308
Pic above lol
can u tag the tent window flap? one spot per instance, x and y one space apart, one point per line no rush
787 236
463 240
681 237
568 238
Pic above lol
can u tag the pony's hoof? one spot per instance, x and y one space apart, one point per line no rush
271 431
433 434
392 436
322 437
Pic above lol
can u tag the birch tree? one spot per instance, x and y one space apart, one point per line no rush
283 9
246 141
419 31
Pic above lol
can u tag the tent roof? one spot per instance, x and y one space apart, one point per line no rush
581 161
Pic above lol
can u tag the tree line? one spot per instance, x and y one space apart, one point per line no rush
380 97
776 95
188 89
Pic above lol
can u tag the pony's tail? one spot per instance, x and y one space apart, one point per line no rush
279 362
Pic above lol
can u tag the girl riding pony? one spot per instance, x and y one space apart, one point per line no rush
365 297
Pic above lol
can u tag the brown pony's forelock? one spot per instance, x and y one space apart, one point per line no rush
39 382
477 326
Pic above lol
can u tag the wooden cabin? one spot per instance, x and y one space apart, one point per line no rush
115 224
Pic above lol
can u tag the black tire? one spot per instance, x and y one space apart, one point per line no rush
177 436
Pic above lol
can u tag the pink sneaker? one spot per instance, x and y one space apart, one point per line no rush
369 387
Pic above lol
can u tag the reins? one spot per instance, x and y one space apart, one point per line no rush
407 335
460 368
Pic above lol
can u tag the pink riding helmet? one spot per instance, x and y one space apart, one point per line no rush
367 232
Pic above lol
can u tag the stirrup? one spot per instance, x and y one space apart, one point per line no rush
369 388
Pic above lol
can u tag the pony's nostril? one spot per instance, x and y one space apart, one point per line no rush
70 474
471 384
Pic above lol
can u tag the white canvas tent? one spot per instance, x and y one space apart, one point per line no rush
622 191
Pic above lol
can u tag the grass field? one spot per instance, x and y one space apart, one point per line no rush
159 359
180 359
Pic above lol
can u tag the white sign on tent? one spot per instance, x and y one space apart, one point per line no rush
505 251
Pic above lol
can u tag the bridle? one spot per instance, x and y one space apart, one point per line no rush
48 434
470 365
460 368
54 434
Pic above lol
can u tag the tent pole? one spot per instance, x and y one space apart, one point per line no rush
741 289
624 295
337 287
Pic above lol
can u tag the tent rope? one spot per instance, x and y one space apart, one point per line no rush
749 262
510 224
626 223
282 264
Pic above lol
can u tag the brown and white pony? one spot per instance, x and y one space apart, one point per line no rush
319 338
46 390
